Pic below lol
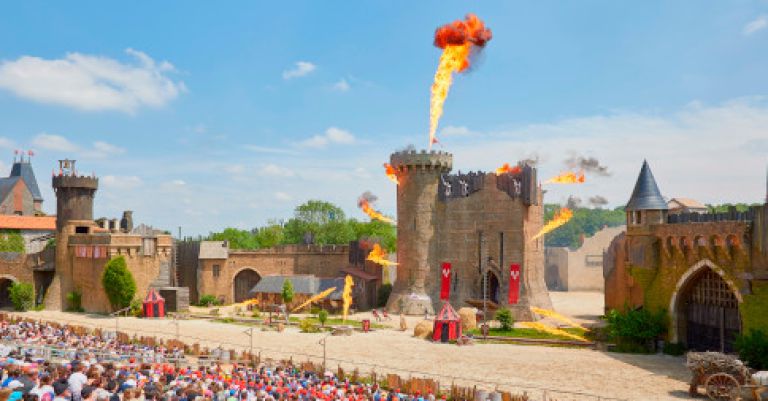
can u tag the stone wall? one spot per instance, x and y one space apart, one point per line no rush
581 269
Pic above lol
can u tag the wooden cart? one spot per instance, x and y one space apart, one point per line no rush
724 377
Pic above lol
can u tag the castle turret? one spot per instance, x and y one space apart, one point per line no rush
418 174
646 206
74 194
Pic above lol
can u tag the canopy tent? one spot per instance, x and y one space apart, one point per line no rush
447 325
154 304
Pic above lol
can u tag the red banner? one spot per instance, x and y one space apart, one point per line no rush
445 282
514 283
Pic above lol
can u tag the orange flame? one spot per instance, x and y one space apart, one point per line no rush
507 169
391 173
568 177
363 203
315 298
562 216
346 295
551 330
379 255
457 40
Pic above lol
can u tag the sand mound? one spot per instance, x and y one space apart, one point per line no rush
423 329
468 318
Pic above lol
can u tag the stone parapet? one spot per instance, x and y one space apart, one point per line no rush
411 159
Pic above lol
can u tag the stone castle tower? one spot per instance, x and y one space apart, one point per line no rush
74 214
478 222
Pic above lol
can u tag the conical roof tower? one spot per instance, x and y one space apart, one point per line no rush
646 195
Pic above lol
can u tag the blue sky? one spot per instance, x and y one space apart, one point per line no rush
206 115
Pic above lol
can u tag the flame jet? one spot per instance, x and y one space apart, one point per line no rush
391 173
378 255
365 202
562 216
346 295
459 40
568 177
506 168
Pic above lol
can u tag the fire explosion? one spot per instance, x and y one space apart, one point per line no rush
507 169
378 255
346 295
364 202
391 174
568 177
562 216
458 40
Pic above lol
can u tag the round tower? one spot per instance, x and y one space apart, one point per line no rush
74 194
418 174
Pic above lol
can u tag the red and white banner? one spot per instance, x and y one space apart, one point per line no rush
514 283
445 281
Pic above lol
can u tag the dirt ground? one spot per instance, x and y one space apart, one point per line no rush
515 367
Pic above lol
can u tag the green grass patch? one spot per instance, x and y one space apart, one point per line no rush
530 333
335 321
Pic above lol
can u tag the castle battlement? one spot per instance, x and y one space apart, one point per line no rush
411 159
72 181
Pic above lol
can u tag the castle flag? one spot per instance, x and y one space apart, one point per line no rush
445 282
514 283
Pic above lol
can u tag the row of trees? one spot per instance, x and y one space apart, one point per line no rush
322 222
585 222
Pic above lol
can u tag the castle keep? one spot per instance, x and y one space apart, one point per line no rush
708 271
478 222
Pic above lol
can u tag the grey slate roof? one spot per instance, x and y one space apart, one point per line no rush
213 250
302 284
23 169
646 195
6 186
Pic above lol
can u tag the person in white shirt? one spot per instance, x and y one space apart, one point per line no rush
76 381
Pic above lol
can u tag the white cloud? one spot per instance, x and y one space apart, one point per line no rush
332 135
235 169
60 144
178 183
273 170
703 152
341 86
282 196
120 182
451 130
757 24
6 143
300 69
92 83
264 149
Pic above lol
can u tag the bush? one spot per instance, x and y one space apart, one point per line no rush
118 283
136 308
208 300
504 316
11 241
22 296
384 292
322 317
74 301
287 293
635 329
675 349
255 312
753 349
307 326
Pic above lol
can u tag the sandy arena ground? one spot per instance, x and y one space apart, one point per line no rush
514 367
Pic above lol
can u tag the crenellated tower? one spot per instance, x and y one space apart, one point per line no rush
419 175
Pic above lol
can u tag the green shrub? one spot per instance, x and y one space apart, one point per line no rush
504 316
11 241
136 308
118 283
307 326
635 329
383 295
22 296
322 317
675 349
753 349
74 301
208 300
255 312
287 293
315 310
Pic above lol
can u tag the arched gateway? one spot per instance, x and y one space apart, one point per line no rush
244 281
706 313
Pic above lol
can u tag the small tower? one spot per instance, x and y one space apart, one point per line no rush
74 194
646 206
418 174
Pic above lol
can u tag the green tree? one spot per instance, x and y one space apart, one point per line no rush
22 296
322 317
375 229
506 321
11 241
118 283
269 235
324 221
585 222
237 239
287 293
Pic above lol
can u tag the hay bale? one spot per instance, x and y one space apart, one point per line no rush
468 318
423 329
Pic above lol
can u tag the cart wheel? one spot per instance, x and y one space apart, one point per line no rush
722 386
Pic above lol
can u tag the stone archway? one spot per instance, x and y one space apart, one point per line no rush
5 285
705 309
243 282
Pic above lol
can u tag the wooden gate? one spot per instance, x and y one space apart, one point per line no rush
244 282
711 314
